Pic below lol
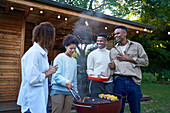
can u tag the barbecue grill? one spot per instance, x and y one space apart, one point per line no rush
94 104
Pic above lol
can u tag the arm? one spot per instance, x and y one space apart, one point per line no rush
125 57
59 79
34 71
75 78
90 65
142 59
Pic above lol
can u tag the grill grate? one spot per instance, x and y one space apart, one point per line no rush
97 101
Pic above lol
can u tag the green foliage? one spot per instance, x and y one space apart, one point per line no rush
149 77
164 75
151 12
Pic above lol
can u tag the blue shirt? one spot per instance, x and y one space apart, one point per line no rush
67 72
33 93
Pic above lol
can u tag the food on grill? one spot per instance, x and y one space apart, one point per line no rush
101 95
82 100
108 96
113 98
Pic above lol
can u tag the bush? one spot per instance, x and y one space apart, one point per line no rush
165 75
149 77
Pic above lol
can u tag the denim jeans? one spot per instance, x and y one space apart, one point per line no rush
126 87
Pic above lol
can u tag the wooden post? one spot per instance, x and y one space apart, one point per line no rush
22 48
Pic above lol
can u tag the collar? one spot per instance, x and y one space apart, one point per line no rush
42 51
129 42
102 50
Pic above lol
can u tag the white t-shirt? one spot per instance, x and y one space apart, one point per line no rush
123 48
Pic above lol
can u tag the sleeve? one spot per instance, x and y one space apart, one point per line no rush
32 71
59 79
90 65
142 59
75 78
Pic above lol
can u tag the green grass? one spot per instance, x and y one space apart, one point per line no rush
160 94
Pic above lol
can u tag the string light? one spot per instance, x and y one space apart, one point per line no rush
12 8
145 29
137 31
31 9
58 16
168 33
87 24
41 12
65 19
151 31
105 28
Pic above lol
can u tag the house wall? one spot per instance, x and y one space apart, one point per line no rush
10 45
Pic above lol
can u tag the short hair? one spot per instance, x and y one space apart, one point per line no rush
122 27
44 33
70 39
102 35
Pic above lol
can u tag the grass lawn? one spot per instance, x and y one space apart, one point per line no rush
160 94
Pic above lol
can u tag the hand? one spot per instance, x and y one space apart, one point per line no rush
68 85
52 70
111 65
125 57
91 74
122 57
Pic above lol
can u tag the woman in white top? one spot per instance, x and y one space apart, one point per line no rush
33 95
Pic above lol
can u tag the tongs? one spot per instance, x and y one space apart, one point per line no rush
75 95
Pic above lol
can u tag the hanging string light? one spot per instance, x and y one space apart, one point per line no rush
86 22
58 16
145 29
65 19
12 8
31 9
41 12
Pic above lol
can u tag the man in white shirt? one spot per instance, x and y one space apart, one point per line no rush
97 63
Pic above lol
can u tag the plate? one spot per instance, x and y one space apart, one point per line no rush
98 79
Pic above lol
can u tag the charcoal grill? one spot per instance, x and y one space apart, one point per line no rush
98 105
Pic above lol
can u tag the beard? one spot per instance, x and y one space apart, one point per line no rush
120 41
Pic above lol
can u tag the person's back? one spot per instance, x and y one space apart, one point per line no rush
33 95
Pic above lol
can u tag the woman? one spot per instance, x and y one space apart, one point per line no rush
65 77
33 95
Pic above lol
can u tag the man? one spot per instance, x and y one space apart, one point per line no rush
126 59
97 63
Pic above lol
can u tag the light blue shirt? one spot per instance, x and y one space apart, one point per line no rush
33 93
67 72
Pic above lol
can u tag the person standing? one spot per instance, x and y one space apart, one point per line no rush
97 63
33 94
65 77
126 59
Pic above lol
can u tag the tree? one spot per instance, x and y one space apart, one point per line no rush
152 12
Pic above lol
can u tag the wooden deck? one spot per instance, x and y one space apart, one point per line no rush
12 107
